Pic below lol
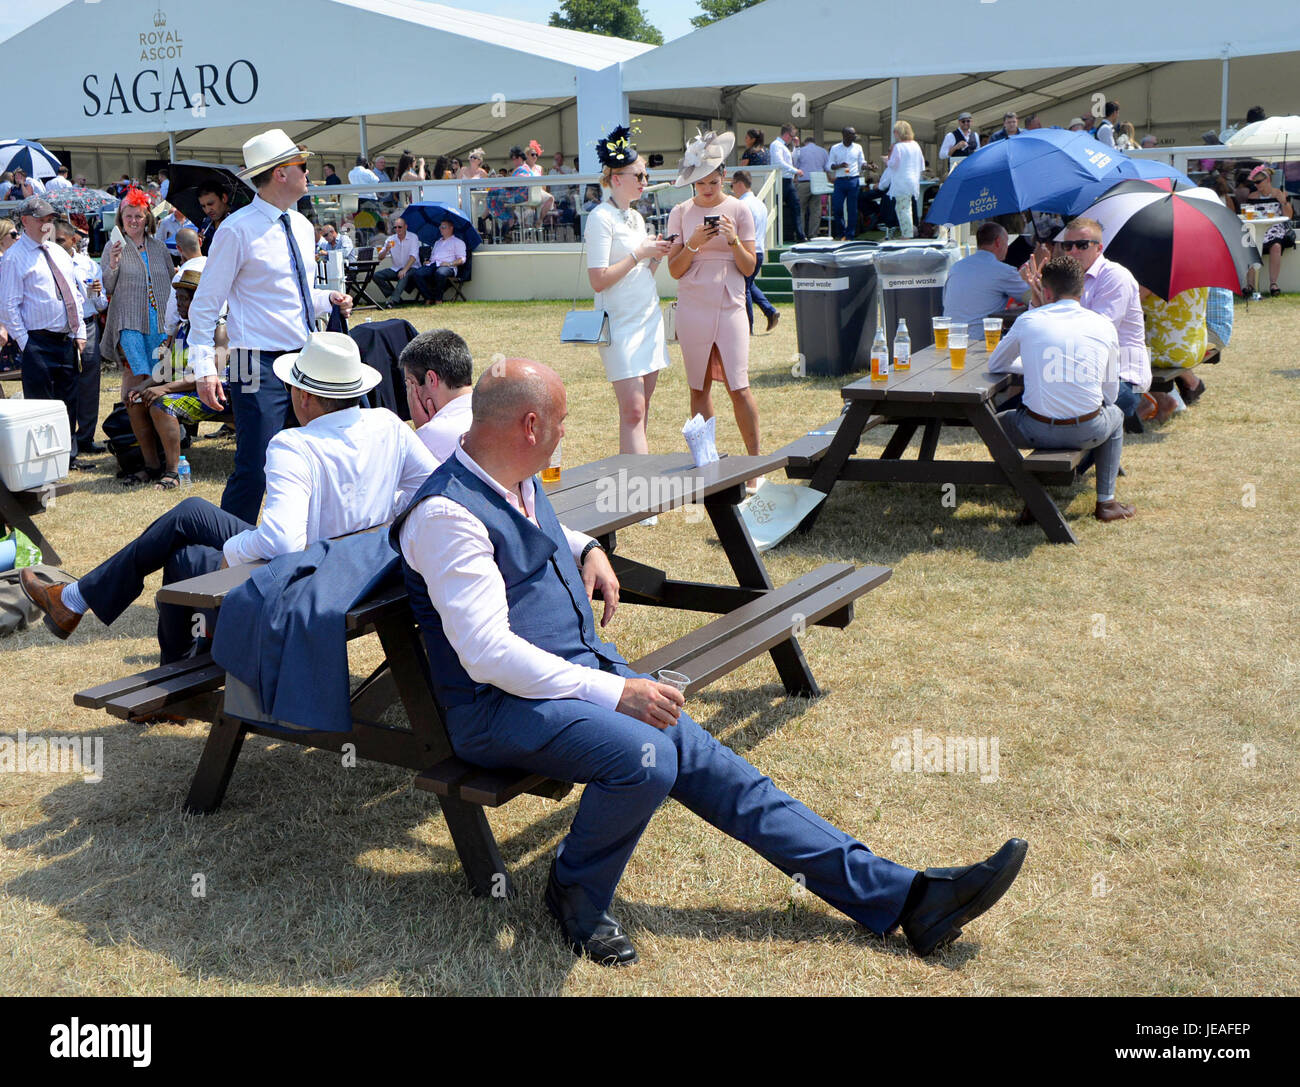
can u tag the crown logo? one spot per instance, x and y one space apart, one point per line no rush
159 19
984 191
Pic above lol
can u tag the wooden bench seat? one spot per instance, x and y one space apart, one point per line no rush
805 452
165 688
1054 466
705 655
1163 378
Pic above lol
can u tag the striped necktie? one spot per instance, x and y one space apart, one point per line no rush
300 274
66 295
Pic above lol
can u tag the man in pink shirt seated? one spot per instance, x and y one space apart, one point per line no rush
1111 290
439 372
448 255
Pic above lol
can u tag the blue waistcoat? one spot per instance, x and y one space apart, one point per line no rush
547 603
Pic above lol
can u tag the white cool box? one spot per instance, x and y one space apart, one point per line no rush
35 442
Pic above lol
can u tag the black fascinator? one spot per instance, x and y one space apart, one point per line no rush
616 150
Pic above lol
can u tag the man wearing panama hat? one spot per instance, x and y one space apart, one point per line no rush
260 265
344 469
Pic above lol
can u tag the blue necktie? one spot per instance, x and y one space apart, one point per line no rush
300 274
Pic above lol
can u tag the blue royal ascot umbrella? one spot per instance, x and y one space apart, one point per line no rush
1158 173
423 219
28 156
1044 169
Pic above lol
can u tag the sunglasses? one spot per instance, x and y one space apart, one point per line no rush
13 233
301 165
640 175
1067 246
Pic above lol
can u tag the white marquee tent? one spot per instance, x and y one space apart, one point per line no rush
382 75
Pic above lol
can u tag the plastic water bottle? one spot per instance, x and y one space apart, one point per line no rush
902 347
879 356
183 470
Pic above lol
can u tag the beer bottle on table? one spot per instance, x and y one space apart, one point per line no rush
879 356
902 347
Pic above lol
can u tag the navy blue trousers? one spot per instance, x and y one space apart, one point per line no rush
793 220
630 768
88 386
49 368
184 542
262 409
845 192
754 295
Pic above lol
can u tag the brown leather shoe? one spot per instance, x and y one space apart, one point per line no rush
1113 510
772 319
49 598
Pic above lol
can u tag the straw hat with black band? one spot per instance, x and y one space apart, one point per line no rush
329 366
269 149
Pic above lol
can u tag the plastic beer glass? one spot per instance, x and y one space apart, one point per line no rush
957 343
992 332
941 327
551 473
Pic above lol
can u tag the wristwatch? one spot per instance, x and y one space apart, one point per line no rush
593 546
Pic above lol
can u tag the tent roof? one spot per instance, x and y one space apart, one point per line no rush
956 36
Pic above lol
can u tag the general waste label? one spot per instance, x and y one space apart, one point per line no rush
839 283
904 282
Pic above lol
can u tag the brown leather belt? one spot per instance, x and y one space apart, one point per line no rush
1062 422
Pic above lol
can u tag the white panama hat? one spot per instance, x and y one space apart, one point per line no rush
267 149
329 366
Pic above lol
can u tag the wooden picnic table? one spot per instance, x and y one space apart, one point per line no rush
599 499
929 396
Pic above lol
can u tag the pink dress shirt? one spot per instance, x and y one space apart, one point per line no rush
1111 290
449 547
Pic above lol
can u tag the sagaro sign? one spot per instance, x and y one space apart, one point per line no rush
166 74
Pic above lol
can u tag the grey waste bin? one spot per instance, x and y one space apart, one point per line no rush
911 275
834 289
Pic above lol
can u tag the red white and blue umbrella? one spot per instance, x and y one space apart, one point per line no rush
1174 241
28 156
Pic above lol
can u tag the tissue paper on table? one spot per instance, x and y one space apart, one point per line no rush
699 433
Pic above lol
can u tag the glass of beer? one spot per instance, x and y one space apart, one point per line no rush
941 327
957 343
992 332
551 473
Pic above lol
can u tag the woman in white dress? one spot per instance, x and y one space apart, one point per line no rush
906 163
621 262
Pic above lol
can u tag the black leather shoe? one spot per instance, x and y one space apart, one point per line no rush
92 447
596 935
952 897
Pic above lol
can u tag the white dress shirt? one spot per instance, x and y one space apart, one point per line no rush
839 154
972 139
401 250
58 182
907 162
441 434
87 273
781 157
361 175
447 250
250 269
759 211
1106 133
343 472
29 296
450 548
1068 355
811 158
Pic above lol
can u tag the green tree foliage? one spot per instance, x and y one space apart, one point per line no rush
713 10
613 18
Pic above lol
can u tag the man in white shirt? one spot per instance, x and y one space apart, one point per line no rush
164 184
439 373
260 264
781 157
742 187
1068 356
961 141
403 250
41 305
810 157
361 174
502 593
981 285
1106 130
845 163
59 181
345 469
447 256
73 242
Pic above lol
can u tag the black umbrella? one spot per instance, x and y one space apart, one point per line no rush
187 176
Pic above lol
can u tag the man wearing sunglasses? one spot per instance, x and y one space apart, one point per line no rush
1111 290
260 264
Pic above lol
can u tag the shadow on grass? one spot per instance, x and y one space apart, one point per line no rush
315 876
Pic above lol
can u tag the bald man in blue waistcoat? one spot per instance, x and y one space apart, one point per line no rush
503 595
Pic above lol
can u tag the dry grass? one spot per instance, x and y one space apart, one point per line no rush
1121 756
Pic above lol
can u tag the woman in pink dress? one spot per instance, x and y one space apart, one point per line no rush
710 258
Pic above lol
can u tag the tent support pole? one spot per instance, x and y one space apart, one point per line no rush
171 147
893 104
1223 99
361 129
